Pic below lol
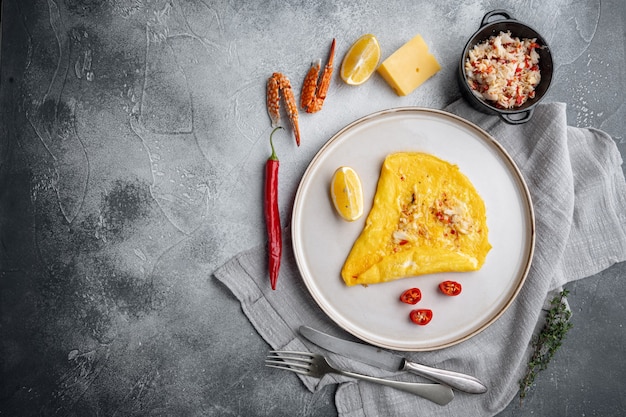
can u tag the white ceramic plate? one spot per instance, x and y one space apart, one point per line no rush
322 240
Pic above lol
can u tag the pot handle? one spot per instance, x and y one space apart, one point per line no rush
497 12
527 115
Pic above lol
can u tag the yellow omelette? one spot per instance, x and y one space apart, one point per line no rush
426 217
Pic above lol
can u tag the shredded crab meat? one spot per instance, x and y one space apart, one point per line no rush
453 214
504 70
400 236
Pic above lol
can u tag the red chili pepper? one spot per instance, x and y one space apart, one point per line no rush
272 215
421 316
411 296
451 288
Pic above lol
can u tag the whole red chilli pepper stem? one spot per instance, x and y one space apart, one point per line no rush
272 215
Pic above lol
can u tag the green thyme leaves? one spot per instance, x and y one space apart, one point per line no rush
548 341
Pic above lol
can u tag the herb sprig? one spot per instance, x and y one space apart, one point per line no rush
547 342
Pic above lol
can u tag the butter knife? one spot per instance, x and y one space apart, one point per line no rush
391 361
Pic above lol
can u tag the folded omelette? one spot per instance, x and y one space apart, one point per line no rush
426 217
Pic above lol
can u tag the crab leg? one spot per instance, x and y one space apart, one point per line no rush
313 102
290 104
309 85
280 82
273 101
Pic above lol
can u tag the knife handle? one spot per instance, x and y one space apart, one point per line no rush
462 382
437 393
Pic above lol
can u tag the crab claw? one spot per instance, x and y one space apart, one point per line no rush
313 95
280 83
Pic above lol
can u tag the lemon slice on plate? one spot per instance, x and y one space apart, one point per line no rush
346 193
361 60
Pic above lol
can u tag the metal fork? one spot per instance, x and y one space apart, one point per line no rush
317 366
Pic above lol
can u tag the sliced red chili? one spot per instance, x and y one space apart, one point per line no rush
451 288
421 316
411 296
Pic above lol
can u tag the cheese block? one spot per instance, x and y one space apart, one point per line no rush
408 67
426 217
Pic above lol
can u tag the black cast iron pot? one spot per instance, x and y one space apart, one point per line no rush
492 24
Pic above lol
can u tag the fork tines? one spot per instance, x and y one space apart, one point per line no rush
299 362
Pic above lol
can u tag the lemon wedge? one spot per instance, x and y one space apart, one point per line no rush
361 60
347 194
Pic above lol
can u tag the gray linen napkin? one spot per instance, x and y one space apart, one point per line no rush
573 174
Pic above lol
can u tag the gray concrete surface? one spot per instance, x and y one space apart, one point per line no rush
133 136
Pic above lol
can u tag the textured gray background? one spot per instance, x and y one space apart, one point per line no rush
133 138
